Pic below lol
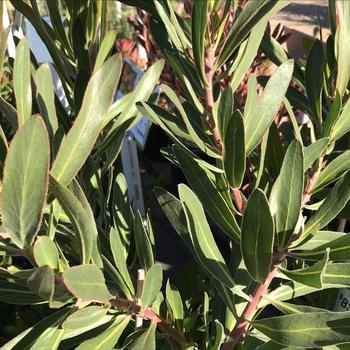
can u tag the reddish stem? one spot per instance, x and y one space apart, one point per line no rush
242 324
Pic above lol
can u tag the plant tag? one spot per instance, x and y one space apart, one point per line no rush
343 300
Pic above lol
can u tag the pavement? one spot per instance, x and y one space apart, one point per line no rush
303 19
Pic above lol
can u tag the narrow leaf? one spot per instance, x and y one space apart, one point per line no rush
84 226
25 182
260 118
234 150
314 151
152 285
81 138
84 317
147 340
308 329
106 46
21 82
107 339
287 192
257 236
214 203
314 79
202 239
342 124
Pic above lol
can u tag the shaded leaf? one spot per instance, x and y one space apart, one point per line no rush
234 150
257 236
42 282
147 340
314 151
152 285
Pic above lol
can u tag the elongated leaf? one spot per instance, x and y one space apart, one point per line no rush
202 239
267 106
42 282
287 192
250 51
105 48
83 224
311 276
50 338
117 248
334 203
314 151
342 125
46 253
152 285
199 25
147 340
174 302
234 150
43 327
214 203
252 13
224 111
80 140
46 98
332 115
336 275
86 282
314 78
342 46
21 82
308 329
143 244
338 244
107 339
84 317
257 236
23 197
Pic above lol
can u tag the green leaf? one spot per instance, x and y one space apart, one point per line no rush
314 79
224 110
42 282
9 113
23 197
147 340
143 243
21 82
257 236
218 336
175 306
342 46
214 203
314 151
338 244
105 48
199 25
117 247
84 317
84 225
250 52
307 329
46 98
332 115
333 204
234 150
46 253
342 124
80 140
107 339
152 285
311 276
333 171
287 192
40 331
202 239
252 13
267 106
173 210
86 282
50 338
